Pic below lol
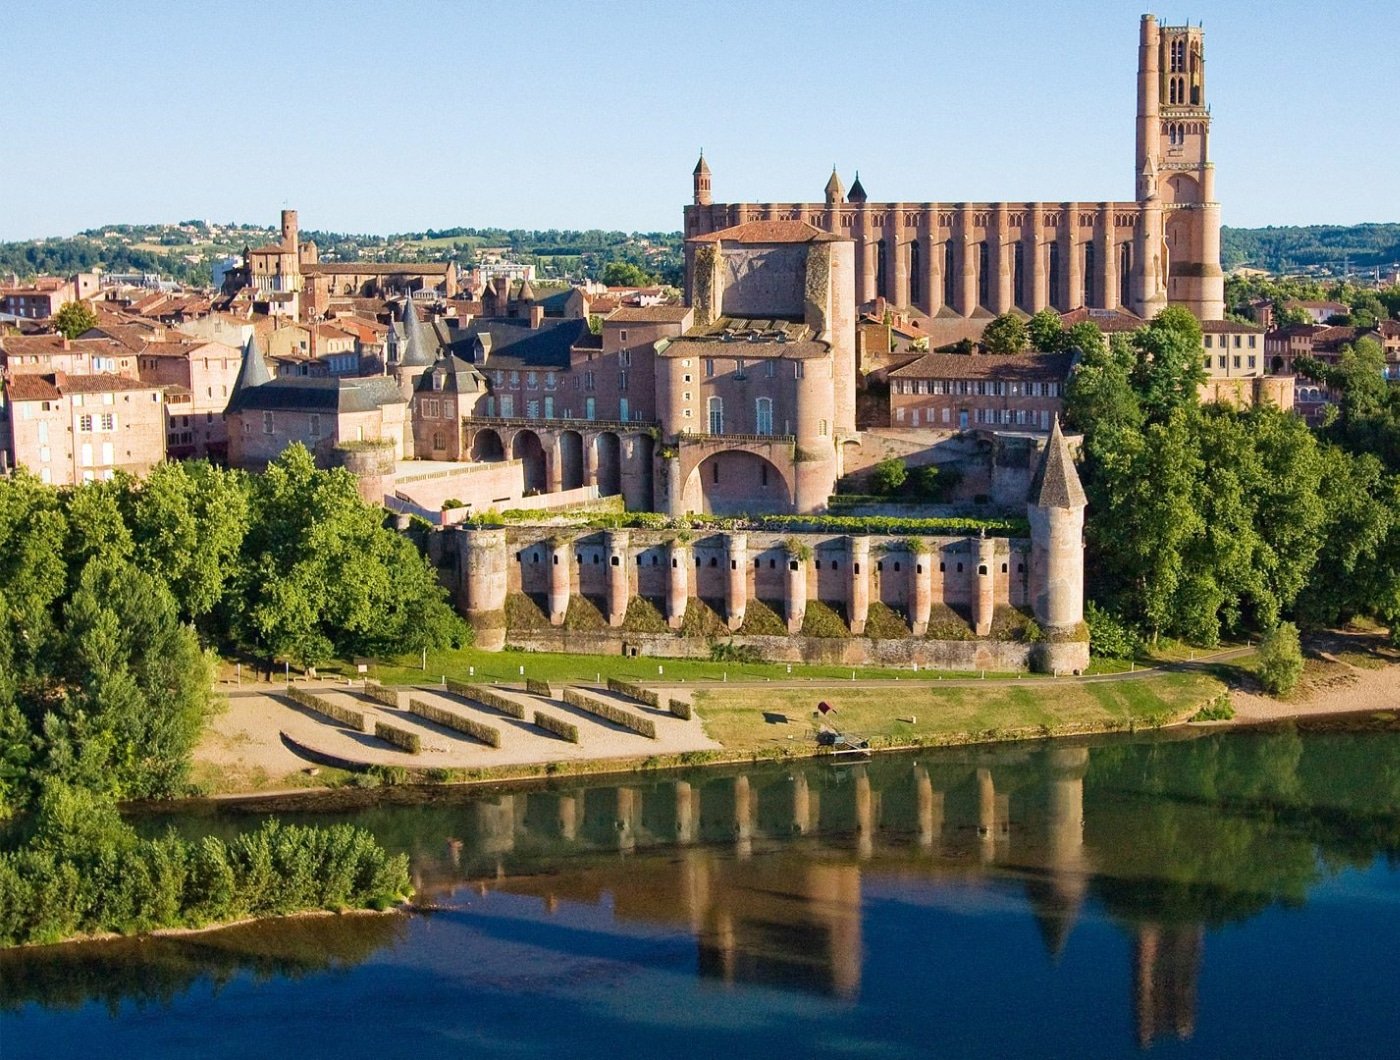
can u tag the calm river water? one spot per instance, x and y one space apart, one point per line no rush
1193 895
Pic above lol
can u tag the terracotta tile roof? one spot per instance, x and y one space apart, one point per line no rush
32 388
376 268
1216 327
1050 366
1108 320
769 232
52 386
657 314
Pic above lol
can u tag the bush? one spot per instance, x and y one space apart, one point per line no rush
728 651
487 734
1109 636
550 723
1280 659
401 738
616 715
889 476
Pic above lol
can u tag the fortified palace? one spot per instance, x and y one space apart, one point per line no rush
457 405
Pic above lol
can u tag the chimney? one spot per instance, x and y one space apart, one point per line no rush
536 316
66 344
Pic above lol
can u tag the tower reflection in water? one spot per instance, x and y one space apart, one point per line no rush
767 865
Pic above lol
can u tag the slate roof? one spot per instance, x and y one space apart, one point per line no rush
318 394
417 353
857 192
1056 483
458 377
514 344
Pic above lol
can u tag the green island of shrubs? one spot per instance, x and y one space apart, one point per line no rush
81 870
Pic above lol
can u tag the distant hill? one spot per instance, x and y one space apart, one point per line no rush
185 250
1311 248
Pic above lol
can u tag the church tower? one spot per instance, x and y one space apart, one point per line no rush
702 181
1178 240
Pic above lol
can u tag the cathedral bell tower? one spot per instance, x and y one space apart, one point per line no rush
1179 240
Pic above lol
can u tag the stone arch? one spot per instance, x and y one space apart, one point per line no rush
527 448
487 446
609 449
735 482
570 460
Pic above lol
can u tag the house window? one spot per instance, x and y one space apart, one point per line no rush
85 424
588 380
532 409
532 380
709 367
716 413
315 425
763 415
590 409
623 412
549 380
439 440
622 379
624 357
770 368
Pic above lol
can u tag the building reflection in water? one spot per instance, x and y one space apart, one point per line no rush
768 870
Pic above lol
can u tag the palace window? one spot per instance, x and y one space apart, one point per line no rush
763 416
715 406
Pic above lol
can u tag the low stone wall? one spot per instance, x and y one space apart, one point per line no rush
1001 656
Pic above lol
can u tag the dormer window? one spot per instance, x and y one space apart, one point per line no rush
437 380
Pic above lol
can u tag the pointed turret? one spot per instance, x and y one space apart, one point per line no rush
1056 483
252 372
835 192
702 181
415 352
527 293
857 192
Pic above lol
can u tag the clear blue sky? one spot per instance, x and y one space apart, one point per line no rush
386 117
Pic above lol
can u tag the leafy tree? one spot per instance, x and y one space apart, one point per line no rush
1045 330
626 274
1109 636
1169 371
889 476
1280 659
74 318
1005 334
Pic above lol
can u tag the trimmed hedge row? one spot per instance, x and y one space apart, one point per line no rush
352 719
409 741
680 708
475 729
487 698
625 718
567 729
538 688
377 692
634 691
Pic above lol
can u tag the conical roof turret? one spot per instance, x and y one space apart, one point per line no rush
253 371
835 191
527 293
1056 483
415 345
857 192
701 167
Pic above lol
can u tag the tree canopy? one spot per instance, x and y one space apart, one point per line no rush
74 318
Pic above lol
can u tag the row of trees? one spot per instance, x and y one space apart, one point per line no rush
1207 520
1365 306
112 592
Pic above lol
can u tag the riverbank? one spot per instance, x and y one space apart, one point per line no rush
743 717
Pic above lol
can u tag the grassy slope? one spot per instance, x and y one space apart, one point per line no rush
736 717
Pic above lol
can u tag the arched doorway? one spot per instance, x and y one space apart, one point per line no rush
570 460
609 464
526 448
736 482
487 446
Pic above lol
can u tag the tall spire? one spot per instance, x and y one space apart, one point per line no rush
1056 483
702 181
857 192
253 371
835 193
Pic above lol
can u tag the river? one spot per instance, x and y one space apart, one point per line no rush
1191 894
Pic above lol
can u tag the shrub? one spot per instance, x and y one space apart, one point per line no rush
888 476
680 708
617 715
402 738
728 651
638 692
351 719
1109 636
1218 709
550 723
377 692
1280 659
487 698
477 730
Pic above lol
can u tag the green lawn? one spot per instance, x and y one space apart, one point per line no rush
506 666
750 719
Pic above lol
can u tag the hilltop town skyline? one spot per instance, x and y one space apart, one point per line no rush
405 145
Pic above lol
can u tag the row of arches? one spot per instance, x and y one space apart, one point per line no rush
572 470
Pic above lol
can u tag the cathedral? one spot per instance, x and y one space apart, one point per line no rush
959 264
